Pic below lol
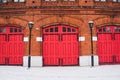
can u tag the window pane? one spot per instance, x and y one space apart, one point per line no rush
19 0
47 0
16 0
64 29
69 0
100 30
22 0
11 29
115 29
114 0
96 0
68 30
72 0
50 0
47 30
104 29
56 29
73 30
3 1
15 29
108 29
51 29
19 30
53 0
101 0
65 0
2 29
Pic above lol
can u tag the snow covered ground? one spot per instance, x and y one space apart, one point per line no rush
104 72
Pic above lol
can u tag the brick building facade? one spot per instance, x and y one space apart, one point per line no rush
49 13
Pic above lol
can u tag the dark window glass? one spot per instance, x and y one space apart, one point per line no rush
116 0
73 30
3 1
104 29
115 29
19 30
11 29
119 29
2 29
15 29
108 29
51 29
100 30
47 30
56 29
64 29
68 30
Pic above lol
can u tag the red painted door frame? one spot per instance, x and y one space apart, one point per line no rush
60 45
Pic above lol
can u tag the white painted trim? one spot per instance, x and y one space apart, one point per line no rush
94 38
86 60
39 39
81 38
35 61
25 39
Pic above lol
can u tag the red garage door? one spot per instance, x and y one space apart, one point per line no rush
108 44
11 46
60 45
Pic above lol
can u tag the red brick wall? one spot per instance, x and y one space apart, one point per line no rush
76 17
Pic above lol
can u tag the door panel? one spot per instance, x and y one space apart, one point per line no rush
105 48
3 48
117 48
15 49
51 49
69 49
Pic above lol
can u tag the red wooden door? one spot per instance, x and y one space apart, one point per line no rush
15 46
69 49
11 45
117 49
51 49
108 44
60 45
3 49
105 48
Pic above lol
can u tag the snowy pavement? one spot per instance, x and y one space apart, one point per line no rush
104 72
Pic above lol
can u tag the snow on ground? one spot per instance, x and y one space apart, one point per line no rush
104 72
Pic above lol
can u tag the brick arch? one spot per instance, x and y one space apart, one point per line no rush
106 20
13 21
68 20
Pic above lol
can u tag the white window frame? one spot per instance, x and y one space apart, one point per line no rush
100 0
3 1
70 0
50 0
18 0
116 0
